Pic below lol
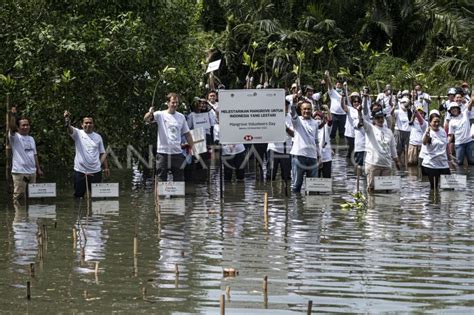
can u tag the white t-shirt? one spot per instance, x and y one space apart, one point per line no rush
325 143
306 135
401 120
435 155
283 147
424 103
198 120
89 147
24 151
416 133
387 102
170 129
460 127
380 145
359 136
228 149
335 102
349 126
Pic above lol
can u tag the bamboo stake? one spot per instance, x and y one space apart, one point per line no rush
310 307
222 303
265 207
28 290
176 269
74 237
406 157
96 268
227 293
265 284
357 177
135 245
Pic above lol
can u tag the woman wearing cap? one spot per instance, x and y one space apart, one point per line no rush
380 147
435 158
418 127
460 129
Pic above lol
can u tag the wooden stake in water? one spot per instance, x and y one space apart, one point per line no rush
310 307
227 293
28 290
32 270
176 269
96 268
74 237
222 302
135 245
265 207
265 284
357 177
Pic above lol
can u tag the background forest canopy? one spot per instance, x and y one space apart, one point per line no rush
108 58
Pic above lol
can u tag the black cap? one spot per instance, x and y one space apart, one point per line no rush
378 113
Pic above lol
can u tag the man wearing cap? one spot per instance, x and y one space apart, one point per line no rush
380 147
172 126
460 129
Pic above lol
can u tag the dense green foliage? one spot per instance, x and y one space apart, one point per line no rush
106 58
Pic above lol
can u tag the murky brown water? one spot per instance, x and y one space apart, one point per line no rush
409 252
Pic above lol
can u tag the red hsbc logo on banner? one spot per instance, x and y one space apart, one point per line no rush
248 138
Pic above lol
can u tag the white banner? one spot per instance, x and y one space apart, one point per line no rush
315 184
199 139
40 190
104 190
213 66
453 181
171 188
387 182
252 116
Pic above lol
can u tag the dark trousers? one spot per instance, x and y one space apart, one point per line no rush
277 160
338 125
170 162
80 182
350 143
325 170
258 150
234 162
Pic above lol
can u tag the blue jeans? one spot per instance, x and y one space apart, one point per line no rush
465 149
299 166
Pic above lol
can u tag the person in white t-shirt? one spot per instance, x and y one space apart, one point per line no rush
418 127
460 129
388 101
435 158
171 127
305 149
421 98
324 118
25 163
90 155
380 146
402 115
278 153
337 113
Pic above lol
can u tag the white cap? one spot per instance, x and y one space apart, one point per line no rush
453 104
404 100
434 111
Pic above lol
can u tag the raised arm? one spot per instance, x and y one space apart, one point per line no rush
327 78
67 122
149 117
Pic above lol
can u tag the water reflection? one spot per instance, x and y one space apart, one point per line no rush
410 251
